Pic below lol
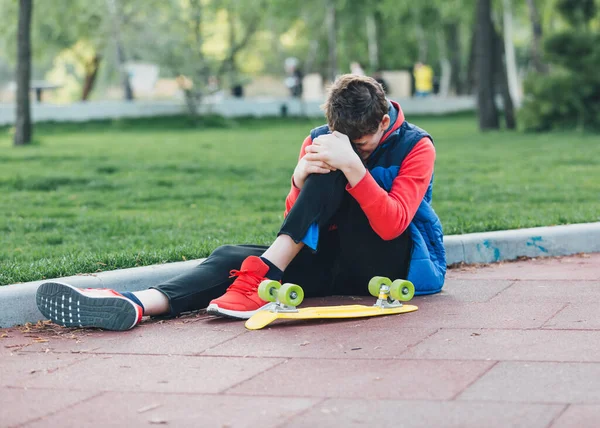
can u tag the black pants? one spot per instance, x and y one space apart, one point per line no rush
346 258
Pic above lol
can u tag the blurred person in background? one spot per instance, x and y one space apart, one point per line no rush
423 75
378 76
356 68
294 77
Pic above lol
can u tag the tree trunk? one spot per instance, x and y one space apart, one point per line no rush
536 44
201 71
372 42
484 59
452 36
91 72
422 42
509 53
192 104
194 87
228 67
23 131
471 81
121 57
501 79
332 39
125 75
229 64
445 65
313 49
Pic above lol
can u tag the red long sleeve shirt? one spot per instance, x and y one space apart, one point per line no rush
389 213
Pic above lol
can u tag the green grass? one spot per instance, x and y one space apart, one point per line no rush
102 196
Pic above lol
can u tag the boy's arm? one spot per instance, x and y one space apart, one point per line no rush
390 213
290 200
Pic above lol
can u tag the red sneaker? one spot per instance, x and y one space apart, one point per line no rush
241 298
87 307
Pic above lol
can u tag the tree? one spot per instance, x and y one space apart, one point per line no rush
536 44
501 81
115 15
91 72
509 52
452 36
331 39
484 60
568 96
449 18
431 31
373 43
181 37
75 32
240 20
23 131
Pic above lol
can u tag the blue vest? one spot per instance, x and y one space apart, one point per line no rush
427 268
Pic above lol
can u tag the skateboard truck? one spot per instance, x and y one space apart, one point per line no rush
384 300
282 298
390 294
279 307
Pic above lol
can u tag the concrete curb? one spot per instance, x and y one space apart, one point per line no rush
502 245
17 302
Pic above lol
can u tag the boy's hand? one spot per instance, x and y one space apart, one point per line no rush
335 149
306 167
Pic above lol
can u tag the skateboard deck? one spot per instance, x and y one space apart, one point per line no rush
270 313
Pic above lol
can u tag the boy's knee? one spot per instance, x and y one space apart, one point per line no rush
224 250
221 249
334 180
235 253
321 196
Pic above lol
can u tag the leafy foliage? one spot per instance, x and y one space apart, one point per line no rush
164 32
569 96
576 12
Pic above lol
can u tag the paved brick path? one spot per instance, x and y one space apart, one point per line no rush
515 344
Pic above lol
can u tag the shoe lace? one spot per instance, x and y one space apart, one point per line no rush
246 282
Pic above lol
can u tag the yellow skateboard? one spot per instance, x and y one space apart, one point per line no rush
284 299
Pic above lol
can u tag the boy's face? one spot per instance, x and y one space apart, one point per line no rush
367 144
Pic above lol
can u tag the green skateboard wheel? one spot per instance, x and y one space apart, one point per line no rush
290 294
267 290
375 284
402 290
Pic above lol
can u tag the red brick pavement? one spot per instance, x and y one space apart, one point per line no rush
513 344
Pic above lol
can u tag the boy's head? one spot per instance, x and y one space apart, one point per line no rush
356 106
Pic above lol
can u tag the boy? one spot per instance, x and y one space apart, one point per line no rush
359 206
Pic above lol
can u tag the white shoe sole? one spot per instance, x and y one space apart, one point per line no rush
214 309
66 305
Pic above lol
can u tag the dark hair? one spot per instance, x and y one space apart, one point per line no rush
355 106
